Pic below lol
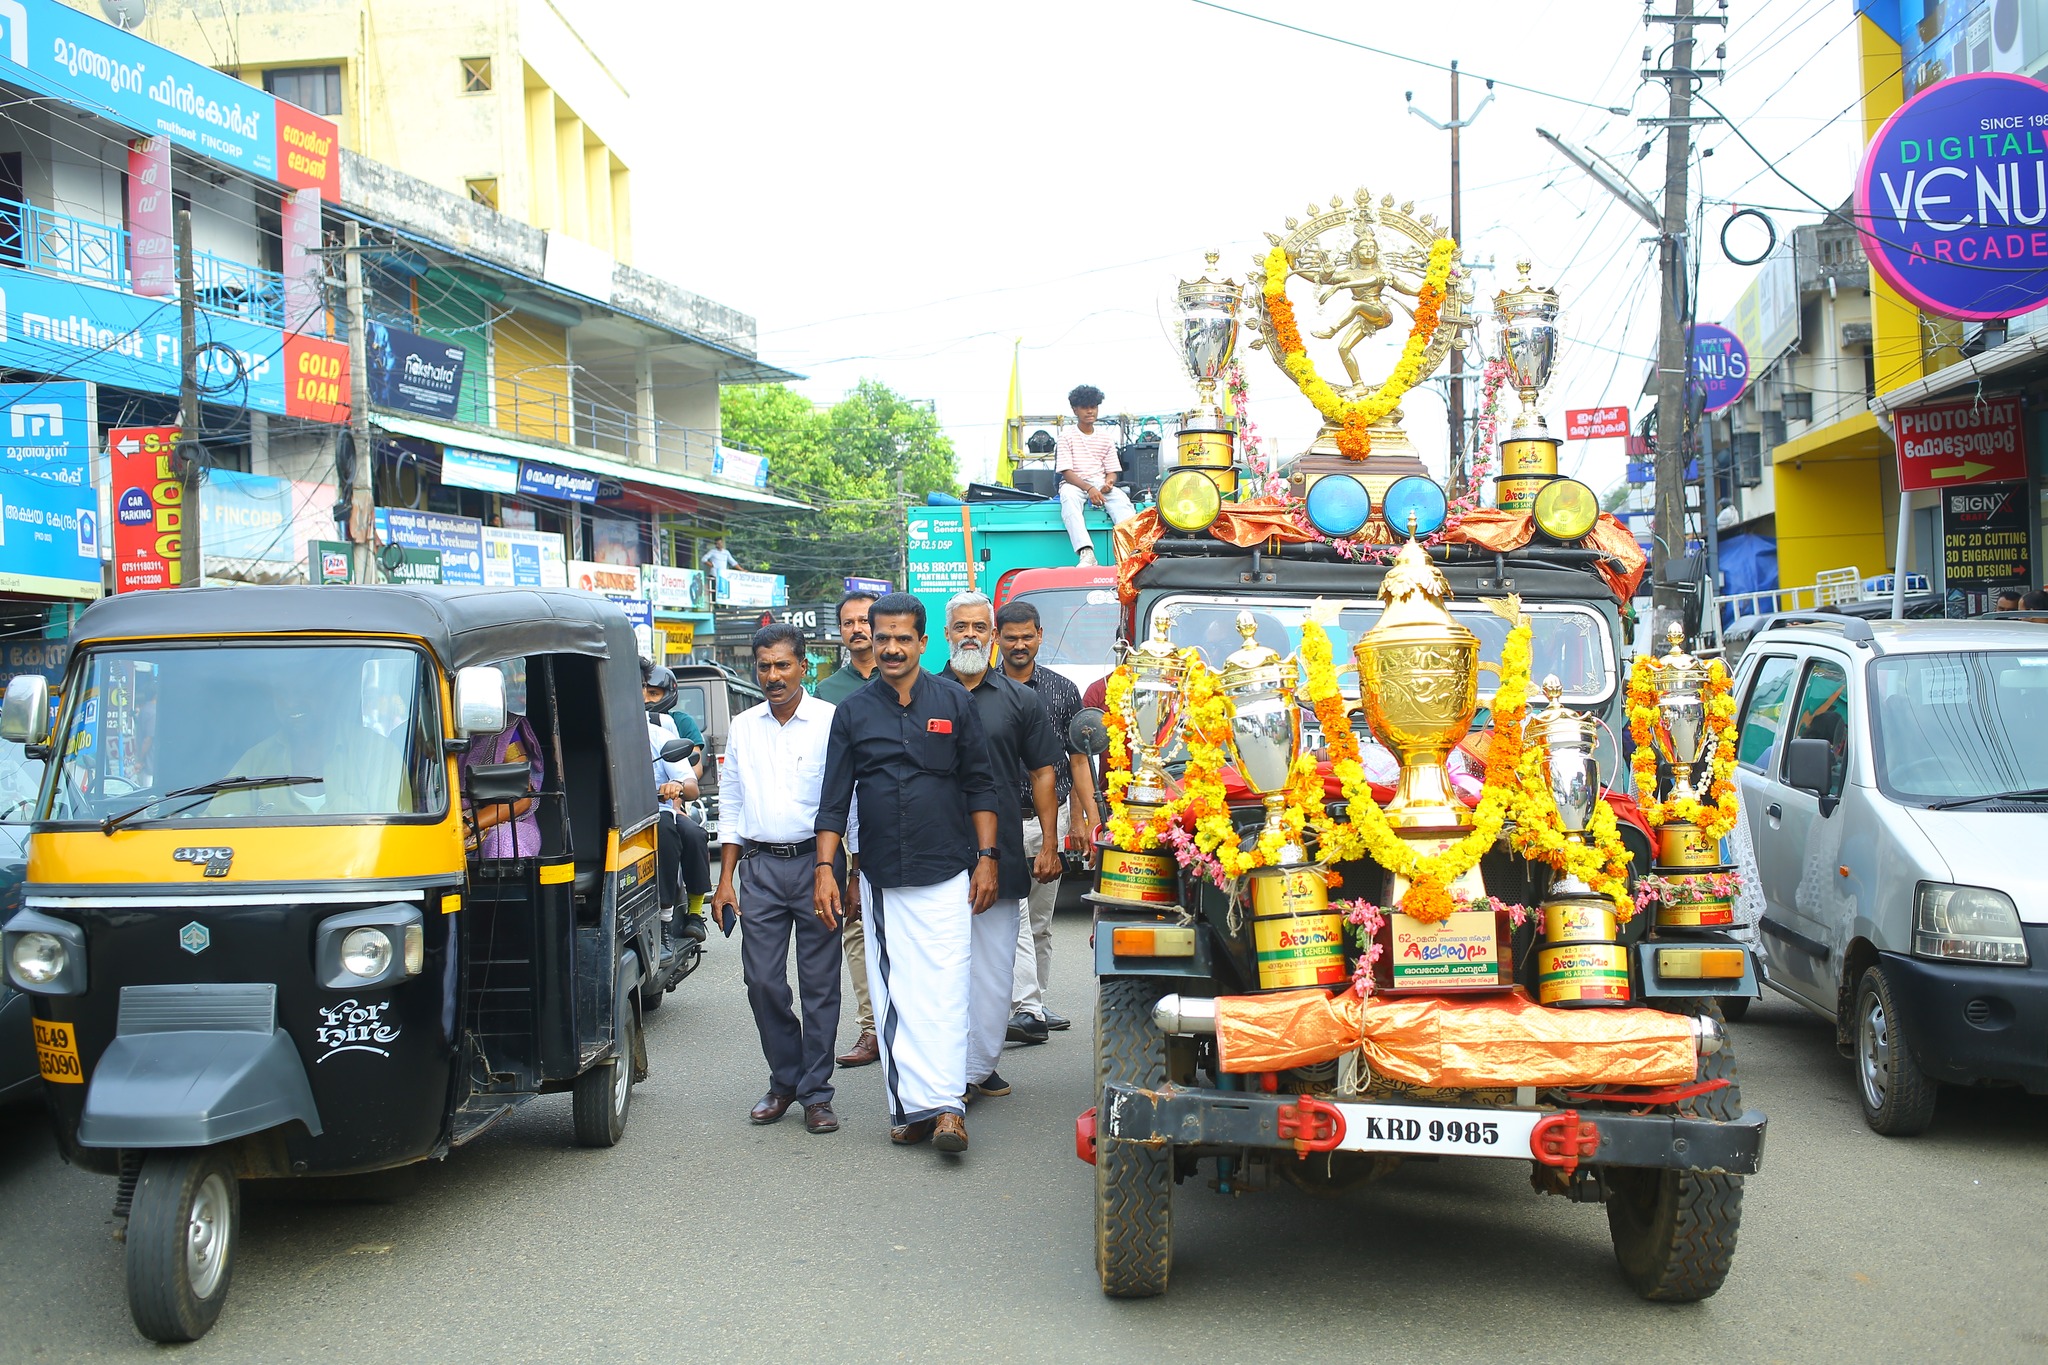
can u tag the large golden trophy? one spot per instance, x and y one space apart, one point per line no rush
1418 673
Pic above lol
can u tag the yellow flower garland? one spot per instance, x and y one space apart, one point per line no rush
1715 815
1123 833
1370 835
1352 418
1599 859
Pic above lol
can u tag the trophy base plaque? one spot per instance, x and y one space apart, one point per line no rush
1468 951
1580 964
1297 939
1683 846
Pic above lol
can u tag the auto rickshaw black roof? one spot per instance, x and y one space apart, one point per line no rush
1537 572
460 626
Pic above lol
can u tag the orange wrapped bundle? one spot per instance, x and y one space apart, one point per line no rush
1458 1042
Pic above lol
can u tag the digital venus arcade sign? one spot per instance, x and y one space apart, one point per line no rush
1953 199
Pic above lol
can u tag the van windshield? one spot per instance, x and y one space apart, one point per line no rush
1080 624
140 724
1953 726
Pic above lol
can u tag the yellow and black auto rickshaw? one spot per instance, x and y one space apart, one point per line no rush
296 904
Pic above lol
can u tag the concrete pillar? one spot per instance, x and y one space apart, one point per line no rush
622 213
597 191
259 442
645 449
569 175
544 198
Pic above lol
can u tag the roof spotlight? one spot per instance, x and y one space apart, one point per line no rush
1189 501
1339 505
1414 495
1566 510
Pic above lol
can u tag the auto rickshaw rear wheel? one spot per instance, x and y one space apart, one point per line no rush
182 1229
1133 1183
604 1093
1674 1231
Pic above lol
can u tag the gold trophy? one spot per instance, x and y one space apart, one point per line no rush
1418 673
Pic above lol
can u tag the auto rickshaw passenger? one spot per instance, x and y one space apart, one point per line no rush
499 830
319 732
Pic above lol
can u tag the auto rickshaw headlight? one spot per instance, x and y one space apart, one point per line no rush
366 951
39 958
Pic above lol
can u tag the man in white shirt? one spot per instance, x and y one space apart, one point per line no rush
718 560
767 813
1087 464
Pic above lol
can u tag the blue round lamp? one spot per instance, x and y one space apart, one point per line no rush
1419 495
1339 505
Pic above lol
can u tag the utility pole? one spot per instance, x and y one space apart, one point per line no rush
1457 405
902 537
191 567
362 514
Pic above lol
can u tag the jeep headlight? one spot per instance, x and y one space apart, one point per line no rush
39 958
366 951
1967 924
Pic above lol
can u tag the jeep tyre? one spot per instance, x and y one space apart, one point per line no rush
1674 1231
1133 1184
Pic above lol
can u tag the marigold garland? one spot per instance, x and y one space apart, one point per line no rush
1352 418
1714 815
1598 859
1117 719
1368 833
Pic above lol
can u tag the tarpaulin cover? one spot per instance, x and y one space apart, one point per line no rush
1247 524
1465 1042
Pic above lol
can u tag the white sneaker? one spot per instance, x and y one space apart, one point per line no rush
1085 557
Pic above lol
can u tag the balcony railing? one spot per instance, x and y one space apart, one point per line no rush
55 243
522 408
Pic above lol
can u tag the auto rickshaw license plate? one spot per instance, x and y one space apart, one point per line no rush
57 1053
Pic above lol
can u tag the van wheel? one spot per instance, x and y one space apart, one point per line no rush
1674 1231
1133 1183
182 1229
604 1093
1898 1099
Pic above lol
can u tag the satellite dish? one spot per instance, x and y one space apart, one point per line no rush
127 14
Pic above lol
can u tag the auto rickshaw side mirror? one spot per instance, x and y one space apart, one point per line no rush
479 700
25 713
1087 732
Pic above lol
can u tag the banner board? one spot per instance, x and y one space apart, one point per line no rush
412 373
1947 444
1984 539
1592 424
149 508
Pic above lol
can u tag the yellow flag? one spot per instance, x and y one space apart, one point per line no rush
1013 429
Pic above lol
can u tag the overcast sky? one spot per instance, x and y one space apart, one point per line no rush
902 189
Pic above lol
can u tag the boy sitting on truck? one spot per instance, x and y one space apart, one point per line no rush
1087 463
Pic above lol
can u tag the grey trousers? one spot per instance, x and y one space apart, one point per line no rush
775 901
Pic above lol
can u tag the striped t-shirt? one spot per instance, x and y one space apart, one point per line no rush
1091 455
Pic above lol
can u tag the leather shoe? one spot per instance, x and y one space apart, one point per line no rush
864 1052
819 1118
1056 1022
910 1134
1025 1029
949 1133
771 1107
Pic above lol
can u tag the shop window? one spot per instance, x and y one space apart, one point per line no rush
315 89
476 75
484 192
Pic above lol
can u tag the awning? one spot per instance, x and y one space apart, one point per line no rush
540 452
1857 437
1998 361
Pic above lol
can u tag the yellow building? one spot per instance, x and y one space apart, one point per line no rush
502 100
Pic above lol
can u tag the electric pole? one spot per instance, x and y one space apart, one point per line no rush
362 527
191 568
1457 406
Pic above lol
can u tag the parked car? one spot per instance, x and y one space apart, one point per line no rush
712 695
1895 779
1920 606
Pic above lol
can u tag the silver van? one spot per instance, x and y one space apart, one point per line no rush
1894 775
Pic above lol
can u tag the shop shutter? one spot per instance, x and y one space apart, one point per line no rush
532 376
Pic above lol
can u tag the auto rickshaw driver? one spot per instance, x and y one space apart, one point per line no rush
319 732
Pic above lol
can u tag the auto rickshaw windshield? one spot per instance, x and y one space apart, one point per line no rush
352 727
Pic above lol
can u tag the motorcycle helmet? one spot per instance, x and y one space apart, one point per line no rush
662 680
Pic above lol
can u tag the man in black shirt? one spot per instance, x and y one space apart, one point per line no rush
859 667
914 747
1018 636
1022 751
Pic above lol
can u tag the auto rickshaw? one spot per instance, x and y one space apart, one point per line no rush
259 935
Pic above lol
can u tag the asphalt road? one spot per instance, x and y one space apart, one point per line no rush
703 1238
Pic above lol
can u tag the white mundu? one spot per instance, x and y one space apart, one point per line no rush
918 949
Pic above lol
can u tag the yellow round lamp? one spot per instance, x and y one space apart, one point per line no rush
1189 501
1566 510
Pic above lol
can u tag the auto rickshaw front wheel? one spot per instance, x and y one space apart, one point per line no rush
182 1228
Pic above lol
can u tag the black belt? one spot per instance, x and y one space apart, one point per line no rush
780 850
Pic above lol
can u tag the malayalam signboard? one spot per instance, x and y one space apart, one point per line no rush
524 559
412 373
546 481
1946 444
1720 365
149 508
1984 537
459 541
49 509
1952 201
1592 424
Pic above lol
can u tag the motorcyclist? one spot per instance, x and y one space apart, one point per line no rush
682 848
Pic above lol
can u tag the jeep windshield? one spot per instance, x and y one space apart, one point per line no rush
269 732
1956 729
1566 639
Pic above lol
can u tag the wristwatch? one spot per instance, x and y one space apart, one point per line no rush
989 853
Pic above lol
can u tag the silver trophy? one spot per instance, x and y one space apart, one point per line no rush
1525 319
1681 729
1156 678
1265 723
1572 741
1208 332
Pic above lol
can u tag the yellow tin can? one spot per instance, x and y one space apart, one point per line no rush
1578 921
1517 492
1145 878
1213 451
1685 846
1575 974
1534 456
1297 939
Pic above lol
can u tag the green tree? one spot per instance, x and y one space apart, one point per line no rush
844 462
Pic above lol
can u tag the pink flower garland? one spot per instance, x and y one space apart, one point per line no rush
1248 435
1472 496
1366 920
